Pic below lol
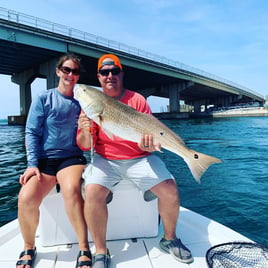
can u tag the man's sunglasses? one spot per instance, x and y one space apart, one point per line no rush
114 71
67 70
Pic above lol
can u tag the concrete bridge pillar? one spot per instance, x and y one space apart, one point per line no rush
206 103
227 101
24 80
48 70
174 94
224 101
197 106
174 97
231 99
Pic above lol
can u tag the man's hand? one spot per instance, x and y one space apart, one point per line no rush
147 143
84 123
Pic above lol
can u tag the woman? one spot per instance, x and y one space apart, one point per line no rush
53 158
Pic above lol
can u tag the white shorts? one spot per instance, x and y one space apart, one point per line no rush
144 172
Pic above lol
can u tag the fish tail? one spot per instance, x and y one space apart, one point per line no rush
199 163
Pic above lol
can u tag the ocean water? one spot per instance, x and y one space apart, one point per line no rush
234 193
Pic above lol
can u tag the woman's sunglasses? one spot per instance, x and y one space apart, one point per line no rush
114 71
67 70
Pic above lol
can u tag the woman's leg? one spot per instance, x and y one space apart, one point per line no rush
29 200
70 179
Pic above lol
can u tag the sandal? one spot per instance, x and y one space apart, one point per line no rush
102 260
84 263
32 253
177 249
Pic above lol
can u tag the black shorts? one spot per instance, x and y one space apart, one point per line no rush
51 166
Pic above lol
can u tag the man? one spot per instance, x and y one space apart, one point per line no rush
124 155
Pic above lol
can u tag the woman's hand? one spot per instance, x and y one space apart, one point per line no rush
28 174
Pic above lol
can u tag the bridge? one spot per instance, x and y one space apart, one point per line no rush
30 48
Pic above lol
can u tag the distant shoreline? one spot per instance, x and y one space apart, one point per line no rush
247 111
224 112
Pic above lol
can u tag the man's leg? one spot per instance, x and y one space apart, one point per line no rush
168 203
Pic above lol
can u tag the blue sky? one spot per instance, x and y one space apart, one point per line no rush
227 38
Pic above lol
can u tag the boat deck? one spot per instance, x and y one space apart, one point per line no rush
198 233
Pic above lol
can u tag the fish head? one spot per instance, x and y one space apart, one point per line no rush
79 91
90 100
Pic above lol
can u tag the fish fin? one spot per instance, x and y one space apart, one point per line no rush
158 148
108 133
98 119
199 163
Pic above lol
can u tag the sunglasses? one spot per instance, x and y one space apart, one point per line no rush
67 70
114 71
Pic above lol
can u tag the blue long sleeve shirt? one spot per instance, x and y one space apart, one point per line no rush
51 127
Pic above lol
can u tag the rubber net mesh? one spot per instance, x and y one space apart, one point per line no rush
237 255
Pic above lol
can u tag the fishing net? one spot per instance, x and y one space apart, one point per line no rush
237 255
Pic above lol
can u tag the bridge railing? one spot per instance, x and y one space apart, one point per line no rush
43 24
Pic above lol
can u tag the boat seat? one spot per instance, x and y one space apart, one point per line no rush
129 217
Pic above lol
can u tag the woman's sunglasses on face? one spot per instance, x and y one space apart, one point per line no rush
67 70
114 71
